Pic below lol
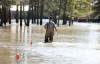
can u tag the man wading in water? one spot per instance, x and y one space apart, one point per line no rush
50 29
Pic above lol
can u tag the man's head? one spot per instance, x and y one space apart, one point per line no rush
50 18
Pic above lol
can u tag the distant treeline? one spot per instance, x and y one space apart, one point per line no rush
89 20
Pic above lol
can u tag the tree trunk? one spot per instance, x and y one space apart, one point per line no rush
24 15
41 11
58 17
4 19
70 21
9 18
1 14
28 17
32 15
17 16
37 11
64 13
20 14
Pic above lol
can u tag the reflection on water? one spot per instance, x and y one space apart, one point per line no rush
72 45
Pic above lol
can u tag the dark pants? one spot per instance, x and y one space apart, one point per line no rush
48 37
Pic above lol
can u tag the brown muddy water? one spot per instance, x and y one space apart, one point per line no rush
78 44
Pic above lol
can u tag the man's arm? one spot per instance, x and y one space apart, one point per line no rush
55 28
45 26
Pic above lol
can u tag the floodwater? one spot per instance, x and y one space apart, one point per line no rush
78 44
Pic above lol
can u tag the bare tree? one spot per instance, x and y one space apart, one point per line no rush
64 12
17 14
41 11
20 13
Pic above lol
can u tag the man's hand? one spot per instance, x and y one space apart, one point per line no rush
55 29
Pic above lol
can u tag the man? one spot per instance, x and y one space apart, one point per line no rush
50 29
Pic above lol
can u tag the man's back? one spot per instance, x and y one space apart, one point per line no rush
50 25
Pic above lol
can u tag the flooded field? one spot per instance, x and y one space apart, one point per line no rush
78 44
